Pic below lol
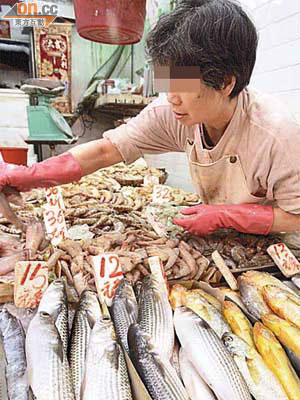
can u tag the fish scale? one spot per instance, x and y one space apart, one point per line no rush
48 370
209 356
156 372
124 310
155 315
62 325
86 315
106 374
13 344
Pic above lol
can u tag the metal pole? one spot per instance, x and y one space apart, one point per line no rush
132 63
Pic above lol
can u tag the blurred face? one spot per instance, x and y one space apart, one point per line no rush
194 103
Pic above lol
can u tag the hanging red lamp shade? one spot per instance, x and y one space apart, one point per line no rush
110 21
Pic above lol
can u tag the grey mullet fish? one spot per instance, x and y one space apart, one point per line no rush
48 371
14 348
158 375
106 374
155 315
209 356
85 318
124 310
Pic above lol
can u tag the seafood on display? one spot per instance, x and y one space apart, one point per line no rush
159 377
209 356
106 375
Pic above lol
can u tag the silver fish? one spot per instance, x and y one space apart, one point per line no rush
48 370
156 372
14 347
209 356
53 298
106 374
24 315
155 315
196 387
86 315
261 381
3 384
124 310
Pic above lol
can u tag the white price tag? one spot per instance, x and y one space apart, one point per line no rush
151 180
156 224
284 259
54 197
108 273
158 271
161 194
31 281
55 224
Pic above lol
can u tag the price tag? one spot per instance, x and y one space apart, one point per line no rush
161 194
31 281
158 271
225 271
151 180
55 224
155 223
108 274
54 197
284 259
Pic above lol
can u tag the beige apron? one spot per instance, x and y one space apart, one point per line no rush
223 181
219 182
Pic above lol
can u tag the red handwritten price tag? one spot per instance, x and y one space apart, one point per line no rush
284 259
54 197
108 273
161 194
31 281
55 224
158 271
150 180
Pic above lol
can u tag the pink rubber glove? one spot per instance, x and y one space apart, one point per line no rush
248 218
51 172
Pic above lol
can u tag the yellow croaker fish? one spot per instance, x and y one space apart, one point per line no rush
238 322
261 381
211 299
251 284
178 293
287 333
283 303
177 296
277 360
196 302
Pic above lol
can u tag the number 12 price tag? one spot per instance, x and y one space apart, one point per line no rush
31 281
108 274
284 259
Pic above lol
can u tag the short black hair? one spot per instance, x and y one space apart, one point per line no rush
216 35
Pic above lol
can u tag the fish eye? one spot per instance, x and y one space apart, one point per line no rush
228 339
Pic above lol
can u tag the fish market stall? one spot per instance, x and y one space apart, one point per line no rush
103 296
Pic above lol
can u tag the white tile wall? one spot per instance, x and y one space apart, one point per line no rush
277 69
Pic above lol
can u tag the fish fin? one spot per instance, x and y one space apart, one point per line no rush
253 371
